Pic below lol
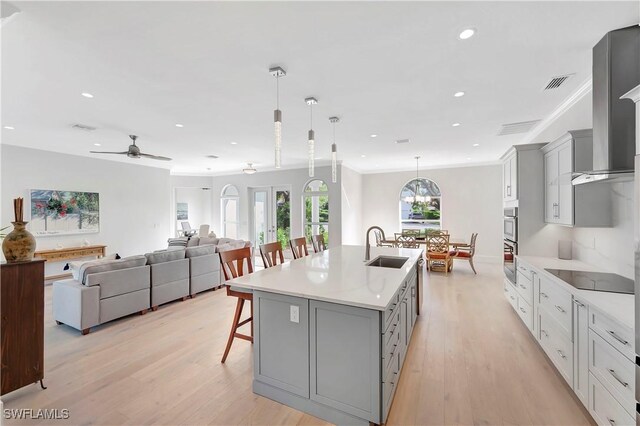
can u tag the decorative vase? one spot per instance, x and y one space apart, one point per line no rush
19 245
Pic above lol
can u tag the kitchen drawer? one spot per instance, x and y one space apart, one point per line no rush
389 384
391 340
525 311
511 294
525 287
524 269
604 408
558 303
557 346
614 371
391 311
619 336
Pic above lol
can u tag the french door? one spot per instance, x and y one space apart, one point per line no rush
270 215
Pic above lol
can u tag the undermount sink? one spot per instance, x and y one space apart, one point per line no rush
395 262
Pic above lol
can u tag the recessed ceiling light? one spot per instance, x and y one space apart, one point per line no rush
476 144
455 124
87 95
9 127
97 144
458 94
468 33
234 143
179 125
468 158
374 136
363 156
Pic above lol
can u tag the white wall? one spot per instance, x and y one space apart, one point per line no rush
134 200
471 202
351 207
296 179
199 201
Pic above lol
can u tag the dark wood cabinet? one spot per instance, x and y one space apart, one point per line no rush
22 324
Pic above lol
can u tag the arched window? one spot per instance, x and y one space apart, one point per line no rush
316 209
230 211
420 205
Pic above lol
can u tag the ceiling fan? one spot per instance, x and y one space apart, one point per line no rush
134 152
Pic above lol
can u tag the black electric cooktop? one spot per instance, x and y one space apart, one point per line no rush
596 281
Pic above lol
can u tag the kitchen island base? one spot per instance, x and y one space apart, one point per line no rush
336 362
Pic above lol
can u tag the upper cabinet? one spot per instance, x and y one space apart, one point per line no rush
510 177
565 204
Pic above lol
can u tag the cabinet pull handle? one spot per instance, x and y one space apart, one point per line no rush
559 308
544 295
580 304
544 332
615 376
618 338
523 287
523 311
611 421
512 298
562 355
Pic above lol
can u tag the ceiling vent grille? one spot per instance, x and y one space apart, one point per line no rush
402 141
515 128
83 127
557 81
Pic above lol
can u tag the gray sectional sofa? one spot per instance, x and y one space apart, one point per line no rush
107 289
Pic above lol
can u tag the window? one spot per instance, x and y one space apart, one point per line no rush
230 211
316 209
420 202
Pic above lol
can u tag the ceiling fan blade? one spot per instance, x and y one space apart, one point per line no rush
109 152
155 157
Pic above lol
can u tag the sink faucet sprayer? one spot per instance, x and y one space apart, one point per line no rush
367 253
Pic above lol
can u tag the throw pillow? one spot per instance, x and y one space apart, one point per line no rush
178 242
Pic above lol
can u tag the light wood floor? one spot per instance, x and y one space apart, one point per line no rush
471 361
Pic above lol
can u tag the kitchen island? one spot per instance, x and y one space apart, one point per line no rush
331 331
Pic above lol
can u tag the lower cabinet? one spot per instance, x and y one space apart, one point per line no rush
581 350
604 408
557 345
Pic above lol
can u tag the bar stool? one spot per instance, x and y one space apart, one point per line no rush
270 253
299 247
318 243
232 263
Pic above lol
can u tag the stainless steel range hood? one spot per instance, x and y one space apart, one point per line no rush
616 70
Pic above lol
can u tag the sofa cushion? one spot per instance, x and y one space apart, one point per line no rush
180 242
200 250
193 241
74 266
208 240
164 256
113 265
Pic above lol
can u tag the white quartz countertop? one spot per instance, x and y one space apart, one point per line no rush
620 307
337 275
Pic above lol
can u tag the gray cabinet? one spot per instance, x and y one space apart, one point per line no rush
510 178
565 204
345 358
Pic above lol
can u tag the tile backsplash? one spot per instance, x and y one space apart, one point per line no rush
610 248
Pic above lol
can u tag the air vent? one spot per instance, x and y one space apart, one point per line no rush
557 82
213 157
402 141
514 128
83 127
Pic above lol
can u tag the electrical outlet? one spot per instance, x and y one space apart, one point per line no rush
294 313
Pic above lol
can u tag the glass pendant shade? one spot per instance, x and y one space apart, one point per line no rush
311 153
277 119
334 163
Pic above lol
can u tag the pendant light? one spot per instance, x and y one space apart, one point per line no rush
311 101
416 197
249 170
334 151
277 72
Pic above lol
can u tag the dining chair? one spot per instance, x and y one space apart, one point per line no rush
380 239
407 241
234 263
438 255
318 243
299 247
467 252
203 231
270 254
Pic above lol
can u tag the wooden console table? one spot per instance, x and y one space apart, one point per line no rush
69 253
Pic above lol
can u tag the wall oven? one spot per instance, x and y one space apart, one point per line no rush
510 224
509 260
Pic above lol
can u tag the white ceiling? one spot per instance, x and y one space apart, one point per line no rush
389 68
